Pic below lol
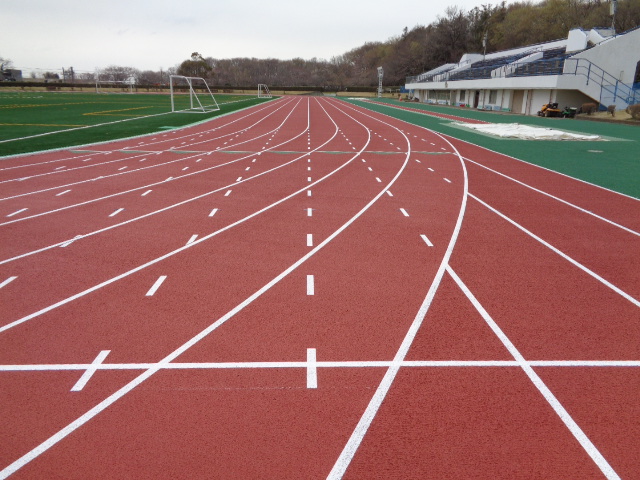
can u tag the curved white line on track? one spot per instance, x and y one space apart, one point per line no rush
583 210
60 435
181 159
349 450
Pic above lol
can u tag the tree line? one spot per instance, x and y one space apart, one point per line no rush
412 52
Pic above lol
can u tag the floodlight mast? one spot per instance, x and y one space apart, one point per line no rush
380 74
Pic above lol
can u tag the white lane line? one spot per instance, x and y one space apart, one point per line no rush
378 180
309 240
573 427
404 212
213 212
556 198
308 169
122 168
370 169
563 255
247 169
447 180
418 161
426 240
62 193
310 285
146 193
364 161
7 281
52 367
66 244
59 168
309 212
308 193
17 212
86 376
116 212
389 193
312 369
253 161
431 169
185 168
228 193
154 288
192 239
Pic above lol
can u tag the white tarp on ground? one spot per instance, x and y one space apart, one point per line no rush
526 132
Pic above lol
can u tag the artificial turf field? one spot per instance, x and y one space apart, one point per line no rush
35 121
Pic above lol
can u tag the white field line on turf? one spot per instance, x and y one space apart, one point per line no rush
60 435
155 212
181 159
55 367
191 245
563 255
352 445
573 427
555 198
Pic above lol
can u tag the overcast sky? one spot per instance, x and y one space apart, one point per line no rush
154 34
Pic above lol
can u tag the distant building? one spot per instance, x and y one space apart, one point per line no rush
585 67
11 75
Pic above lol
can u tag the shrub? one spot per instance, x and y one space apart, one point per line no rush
588 108
634 111
612 110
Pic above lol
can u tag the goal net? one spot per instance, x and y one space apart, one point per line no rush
191 94
114 86
263 91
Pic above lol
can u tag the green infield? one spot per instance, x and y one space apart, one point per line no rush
613 162
35 121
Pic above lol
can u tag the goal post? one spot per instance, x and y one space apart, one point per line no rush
263 91
114 86
191 94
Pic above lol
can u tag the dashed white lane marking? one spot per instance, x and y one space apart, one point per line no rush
447 180
154 288
122 168
238 179
310 285
426 240
60 168
389 193
418 161
7 281
308 179
192 239
247 169
116 212
17 212
185 168
378 180
86 376
62 193
228 193
404 212
308 193
364 161
308 169
309 240
431 169
312 369
146 193
253 161
309 212
370 169
213 212
66 244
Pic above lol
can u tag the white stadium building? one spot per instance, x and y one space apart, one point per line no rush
595 66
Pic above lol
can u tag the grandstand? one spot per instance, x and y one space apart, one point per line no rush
594 66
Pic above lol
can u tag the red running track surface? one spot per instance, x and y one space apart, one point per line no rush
307 289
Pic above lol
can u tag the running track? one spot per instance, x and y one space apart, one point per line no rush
308 289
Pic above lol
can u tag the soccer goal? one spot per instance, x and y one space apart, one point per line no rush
263 91
114 86
191 94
